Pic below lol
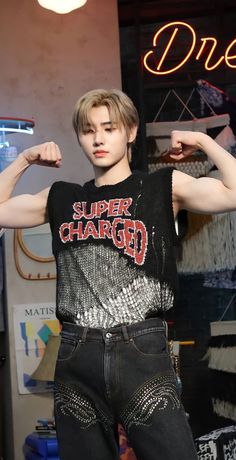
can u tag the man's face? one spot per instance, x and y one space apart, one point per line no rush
104 143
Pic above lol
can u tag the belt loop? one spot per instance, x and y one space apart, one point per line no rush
84 335
125 333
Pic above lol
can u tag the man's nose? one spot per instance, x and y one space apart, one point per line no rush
98 138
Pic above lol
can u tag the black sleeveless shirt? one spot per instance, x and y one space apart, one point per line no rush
114 249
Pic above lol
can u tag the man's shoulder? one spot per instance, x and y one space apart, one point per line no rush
160 175
62 191
64 185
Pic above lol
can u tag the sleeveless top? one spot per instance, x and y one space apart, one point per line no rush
114 249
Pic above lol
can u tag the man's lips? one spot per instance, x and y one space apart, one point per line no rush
100 153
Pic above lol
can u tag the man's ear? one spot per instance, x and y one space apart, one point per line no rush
132 134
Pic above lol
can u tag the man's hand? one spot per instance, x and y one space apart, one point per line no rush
184 144
47 154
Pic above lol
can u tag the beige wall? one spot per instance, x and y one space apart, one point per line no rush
47 62
26 409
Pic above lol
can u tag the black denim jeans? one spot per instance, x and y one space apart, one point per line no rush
119 375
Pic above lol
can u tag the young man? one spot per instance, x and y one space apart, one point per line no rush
113 241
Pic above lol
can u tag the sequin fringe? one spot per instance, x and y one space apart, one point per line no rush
117 293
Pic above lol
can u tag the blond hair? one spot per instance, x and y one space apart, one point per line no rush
120 107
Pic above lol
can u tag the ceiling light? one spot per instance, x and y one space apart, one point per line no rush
62 6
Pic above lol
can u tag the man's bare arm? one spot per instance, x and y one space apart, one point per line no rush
203 195
26 210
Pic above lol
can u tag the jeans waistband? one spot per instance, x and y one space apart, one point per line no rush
119 332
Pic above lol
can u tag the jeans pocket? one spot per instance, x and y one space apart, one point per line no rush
67 347
150 344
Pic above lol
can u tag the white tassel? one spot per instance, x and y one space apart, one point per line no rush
224 409
213 248
222 359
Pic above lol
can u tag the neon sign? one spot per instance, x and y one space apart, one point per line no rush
230 59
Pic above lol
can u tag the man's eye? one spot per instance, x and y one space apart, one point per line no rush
111 129
88 131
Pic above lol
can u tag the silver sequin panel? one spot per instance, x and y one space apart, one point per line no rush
71 402
98 288
157 394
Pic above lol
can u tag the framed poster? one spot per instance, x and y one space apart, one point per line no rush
33 324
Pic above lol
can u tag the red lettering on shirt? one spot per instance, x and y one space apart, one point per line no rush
127 234
90 230
104 229
125 203
118 234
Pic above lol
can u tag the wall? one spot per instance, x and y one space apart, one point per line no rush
47 62
2 392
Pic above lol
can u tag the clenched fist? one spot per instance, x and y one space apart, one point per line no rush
184 144
47 154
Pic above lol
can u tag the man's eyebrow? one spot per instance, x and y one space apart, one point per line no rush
104 123
108 123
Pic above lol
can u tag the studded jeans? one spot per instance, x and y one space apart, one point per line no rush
119 375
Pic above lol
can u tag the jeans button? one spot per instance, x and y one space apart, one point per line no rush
108 335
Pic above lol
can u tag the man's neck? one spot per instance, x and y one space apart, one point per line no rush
111 176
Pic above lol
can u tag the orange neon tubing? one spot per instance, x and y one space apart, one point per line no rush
204 40
230 57
158 72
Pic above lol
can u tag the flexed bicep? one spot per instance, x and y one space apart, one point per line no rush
24 211
205 195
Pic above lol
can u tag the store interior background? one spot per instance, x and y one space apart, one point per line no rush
43 75
197 305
